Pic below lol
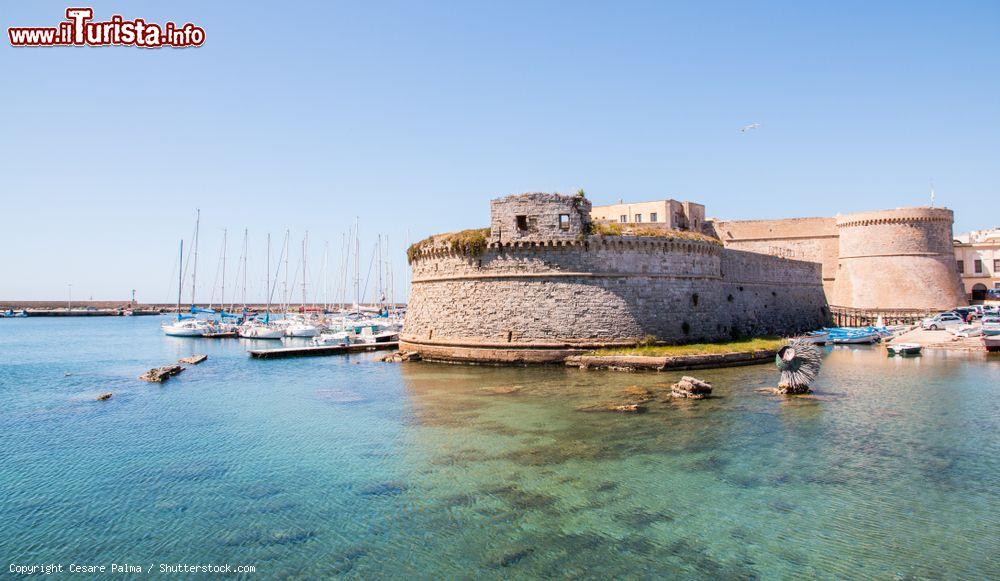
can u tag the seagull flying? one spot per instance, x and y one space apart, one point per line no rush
746 128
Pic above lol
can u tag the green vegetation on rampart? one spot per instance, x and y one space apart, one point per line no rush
738 346
617 229
465 242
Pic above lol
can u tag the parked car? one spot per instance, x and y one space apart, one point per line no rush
942 321
991 310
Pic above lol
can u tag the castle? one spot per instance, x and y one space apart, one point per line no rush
546 281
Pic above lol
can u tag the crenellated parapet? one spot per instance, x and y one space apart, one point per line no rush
539 297
897 259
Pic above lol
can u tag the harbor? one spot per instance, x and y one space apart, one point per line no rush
351 459
501 291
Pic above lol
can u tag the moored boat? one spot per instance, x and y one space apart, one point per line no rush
186 328
903 348
992 343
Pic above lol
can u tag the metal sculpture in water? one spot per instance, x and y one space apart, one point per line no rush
799 362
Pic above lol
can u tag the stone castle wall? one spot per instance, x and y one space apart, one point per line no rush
899 259
544 287
889 260
543 301
806 239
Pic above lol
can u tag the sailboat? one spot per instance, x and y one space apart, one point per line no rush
185 325
302 328
262 329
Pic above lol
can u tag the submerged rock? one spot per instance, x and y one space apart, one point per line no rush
691 388
160 374
792 390
630 400
398 356
502 389
104 396
611 406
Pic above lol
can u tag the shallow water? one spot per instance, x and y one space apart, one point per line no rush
347 466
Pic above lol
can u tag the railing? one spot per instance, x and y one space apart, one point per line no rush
850 317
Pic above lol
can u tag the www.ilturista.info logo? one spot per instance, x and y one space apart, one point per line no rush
79 30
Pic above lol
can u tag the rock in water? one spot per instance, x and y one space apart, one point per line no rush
160 374
691 388
104 396
799 362
397 356
194 359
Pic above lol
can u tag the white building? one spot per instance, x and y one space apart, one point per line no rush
664 213
978 256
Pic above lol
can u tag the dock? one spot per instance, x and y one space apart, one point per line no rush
320 350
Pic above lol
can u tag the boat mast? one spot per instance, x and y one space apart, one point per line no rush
284 289
267 309
222 299
194 270
305 241
357 265
246 250
180 280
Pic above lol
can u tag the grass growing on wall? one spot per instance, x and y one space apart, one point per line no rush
739 345
618 229
465 242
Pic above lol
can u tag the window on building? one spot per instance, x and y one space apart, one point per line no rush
961 267
638 218
564 221
652 216
978 266
522 222
996 265
623 218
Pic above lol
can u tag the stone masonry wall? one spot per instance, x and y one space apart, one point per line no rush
897 259
611 290
540 217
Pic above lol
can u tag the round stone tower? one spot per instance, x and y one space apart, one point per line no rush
540 285
897 259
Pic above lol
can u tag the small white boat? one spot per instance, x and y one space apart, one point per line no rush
260 331
301 330
968 331
338 338
903 348
992 343
186 328
991 326
815 337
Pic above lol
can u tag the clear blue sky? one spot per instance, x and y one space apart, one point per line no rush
412 115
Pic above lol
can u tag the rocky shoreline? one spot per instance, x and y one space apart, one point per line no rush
671 363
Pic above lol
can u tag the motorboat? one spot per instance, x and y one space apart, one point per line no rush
11 314
337 338
968 331
903 349
186 328
815 337
992 343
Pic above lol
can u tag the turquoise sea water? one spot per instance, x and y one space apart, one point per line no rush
344 466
